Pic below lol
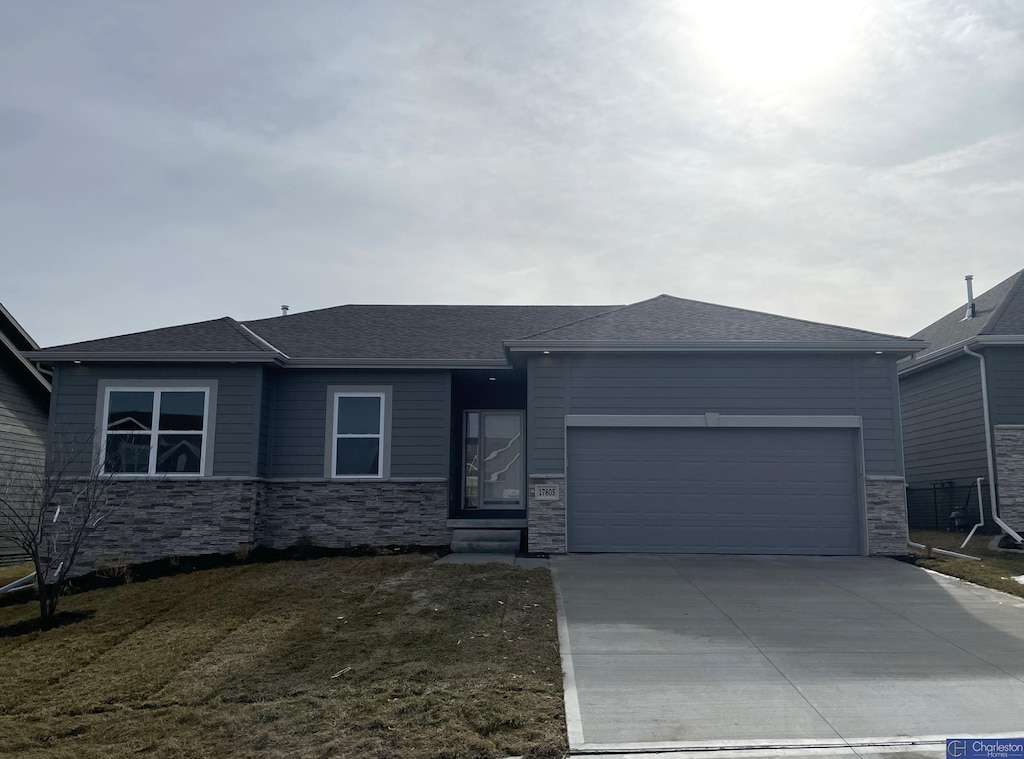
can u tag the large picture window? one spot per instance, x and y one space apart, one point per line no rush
155 431
358 439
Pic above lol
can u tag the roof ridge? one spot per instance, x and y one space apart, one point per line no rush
254 337
720 305
997 313
610 310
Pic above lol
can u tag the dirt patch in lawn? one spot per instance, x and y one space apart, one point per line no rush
349 657
995 570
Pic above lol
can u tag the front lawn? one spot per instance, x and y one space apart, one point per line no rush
388 656
995 569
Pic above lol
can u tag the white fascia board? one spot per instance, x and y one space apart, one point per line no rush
956 349
782 346
6 343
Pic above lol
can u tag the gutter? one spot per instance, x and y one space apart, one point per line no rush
951 351
906 347
36 374
988 448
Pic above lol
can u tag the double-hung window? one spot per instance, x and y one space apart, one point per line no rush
155 431
358 439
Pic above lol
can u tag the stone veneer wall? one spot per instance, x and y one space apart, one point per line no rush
192 517
546 519
1009 451
886 505
342 514
171 517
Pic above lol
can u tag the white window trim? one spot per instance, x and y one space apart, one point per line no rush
209 391
335 392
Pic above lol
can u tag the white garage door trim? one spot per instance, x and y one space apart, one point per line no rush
711 419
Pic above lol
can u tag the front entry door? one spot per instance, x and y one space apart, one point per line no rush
493 460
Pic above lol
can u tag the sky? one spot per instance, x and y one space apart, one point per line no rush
845 161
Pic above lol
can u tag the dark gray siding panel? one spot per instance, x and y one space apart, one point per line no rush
1005 368
943 422
266 423
23 414
777 384
420 421
237 413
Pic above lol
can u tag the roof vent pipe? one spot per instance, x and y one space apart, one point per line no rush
284 310
971 310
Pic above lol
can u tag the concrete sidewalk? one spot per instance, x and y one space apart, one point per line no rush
828 656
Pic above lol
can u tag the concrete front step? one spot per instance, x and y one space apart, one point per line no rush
485 541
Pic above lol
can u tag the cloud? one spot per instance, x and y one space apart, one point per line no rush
201 161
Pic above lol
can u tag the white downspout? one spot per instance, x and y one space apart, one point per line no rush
988 446
981 513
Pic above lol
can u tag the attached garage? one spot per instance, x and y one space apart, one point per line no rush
714 489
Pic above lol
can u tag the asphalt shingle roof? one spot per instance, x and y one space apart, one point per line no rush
411 332
216 336
670 319
365 333
999 311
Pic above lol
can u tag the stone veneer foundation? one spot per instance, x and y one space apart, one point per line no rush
193 517
886 507
1008 440
546 518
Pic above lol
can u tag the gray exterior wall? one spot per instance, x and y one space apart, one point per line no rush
944 422
778 384
1005 369
420 421
23 420
239 390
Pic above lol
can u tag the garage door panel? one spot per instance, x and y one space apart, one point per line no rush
723 490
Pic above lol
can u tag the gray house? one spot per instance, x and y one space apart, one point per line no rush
667 425
24 405
963 401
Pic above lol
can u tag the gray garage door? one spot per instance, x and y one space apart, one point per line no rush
713 490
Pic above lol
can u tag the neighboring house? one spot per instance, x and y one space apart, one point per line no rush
667 425
947 393
24 405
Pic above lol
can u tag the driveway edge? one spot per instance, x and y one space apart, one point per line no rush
573 717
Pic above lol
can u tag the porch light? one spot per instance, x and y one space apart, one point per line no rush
546 353
878 353
493 379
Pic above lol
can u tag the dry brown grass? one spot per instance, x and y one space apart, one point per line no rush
14 572
344 657
994 570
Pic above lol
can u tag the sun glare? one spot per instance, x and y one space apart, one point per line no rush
776 45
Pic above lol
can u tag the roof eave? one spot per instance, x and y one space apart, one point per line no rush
904 347
396 363
952 351
173 357
28 365
18 328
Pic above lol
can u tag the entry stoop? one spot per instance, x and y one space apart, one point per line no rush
483 540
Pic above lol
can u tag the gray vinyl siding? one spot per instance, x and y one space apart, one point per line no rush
23 420
776 384
1005 368
22 414
420 421
944 422
237 412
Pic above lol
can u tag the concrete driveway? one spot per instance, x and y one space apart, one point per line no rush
783 652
